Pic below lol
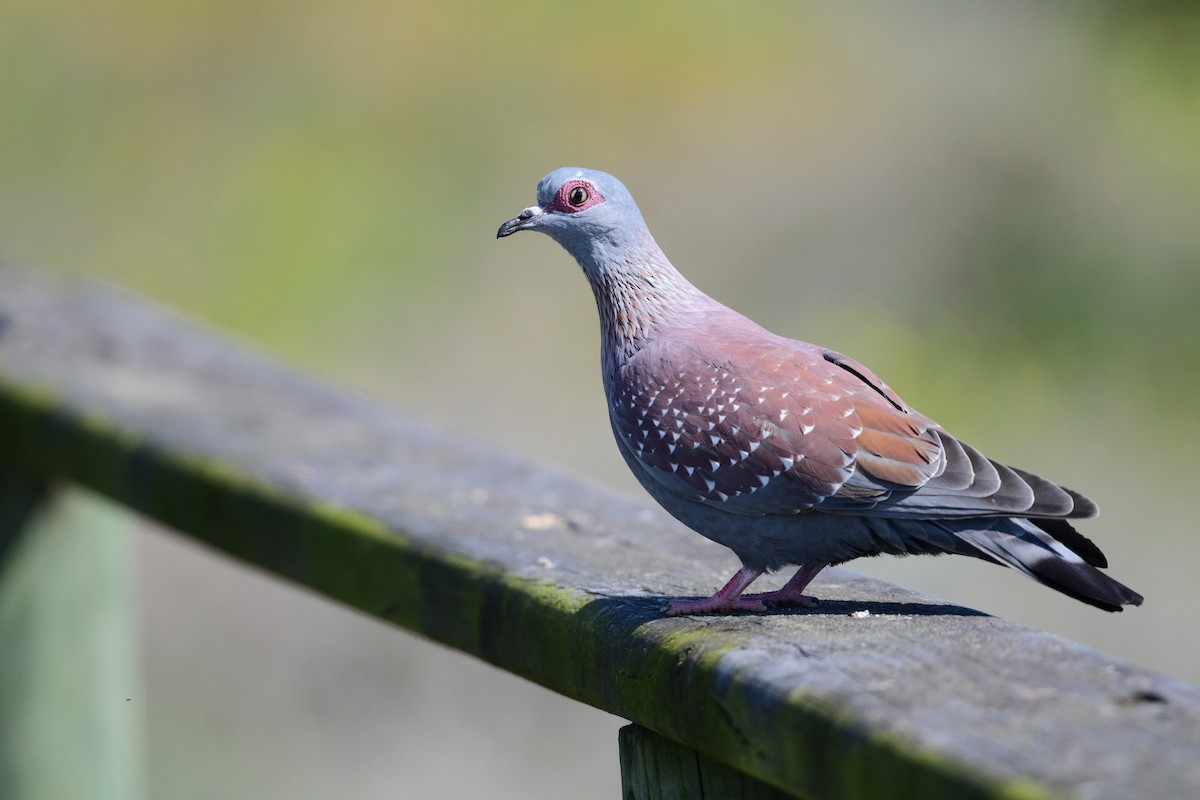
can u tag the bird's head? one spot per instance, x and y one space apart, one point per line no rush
590 213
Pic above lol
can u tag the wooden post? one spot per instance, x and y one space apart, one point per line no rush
655 768
70 713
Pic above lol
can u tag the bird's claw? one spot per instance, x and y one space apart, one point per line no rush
713 605
750 602
788 601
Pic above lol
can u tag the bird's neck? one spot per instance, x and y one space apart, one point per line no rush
637 297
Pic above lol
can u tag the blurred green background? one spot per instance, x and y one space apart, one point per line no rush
996 206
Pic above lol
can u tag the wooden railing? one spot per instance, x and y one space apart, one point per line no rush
881 692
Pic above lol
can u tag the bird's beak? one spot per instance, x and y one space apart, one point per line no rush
523 221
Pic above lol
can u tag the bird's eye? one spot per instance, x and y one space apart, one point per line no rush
577 196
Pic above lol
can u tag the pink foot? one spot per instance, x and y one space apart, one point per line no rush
714 605
792 592
730 597
783 598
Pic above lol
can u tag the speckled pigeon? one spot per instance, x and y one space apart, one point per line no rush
785 452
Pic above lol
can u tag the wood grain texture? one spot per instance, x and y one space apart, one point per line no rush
563 583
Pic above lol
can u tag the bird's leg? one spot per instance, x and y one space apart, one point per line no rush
792 592
728 598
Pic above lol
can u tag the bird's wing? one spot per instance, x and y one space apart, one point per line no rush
761 428
773 426
960 481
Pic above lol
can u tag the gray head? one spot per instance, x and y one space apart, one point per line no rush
592 215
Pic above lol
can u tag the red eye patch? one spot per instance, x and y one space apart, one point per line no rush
575 196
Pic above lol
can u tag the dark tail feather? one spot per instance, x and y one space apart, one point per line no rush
1085 582
1028 549
1082 546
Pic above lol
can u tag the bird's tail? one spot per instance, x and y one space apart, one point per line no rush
1030 549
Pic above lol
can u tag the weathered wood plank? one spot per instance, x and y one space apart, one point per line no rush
70 715
561 582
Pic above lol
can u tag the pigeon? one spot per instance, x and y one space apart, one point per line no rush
788 453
